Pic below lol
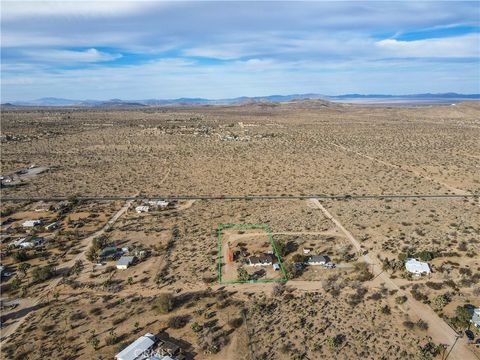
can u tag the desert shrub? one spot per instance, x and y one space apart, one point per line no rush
20 256
235 323
422 325
278 289
196 327
408 324
462 317
429 351
297 258
401 299
78 316
242 274
96 311
43 273
434 285
178 322
112 338
386 310
363 272
164 303
440 301
335 342
419 296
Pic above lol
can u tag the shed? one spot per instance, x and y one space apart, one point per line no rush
31 223
276 267
138 348
140 209
417 267
125 261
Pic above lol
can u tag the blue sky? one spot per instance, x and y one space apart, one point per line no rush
145 49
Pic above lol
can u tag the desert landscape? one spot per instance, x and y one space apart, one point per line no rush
118 235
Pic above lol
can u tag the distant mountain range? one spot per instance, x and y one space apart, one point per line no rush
356 98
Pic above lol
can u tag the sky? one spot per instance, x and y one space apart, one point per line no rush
164 50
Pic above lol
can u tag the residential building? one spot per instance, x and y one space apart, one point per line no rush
138 349
417 267
109 253
141 209
318 260
125 261
476 317
261 260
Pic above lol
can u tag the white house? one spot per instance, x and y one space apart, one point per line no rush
417 267
140 209
31 223
32 242
125 261
138 349
476 318
306 250
318 260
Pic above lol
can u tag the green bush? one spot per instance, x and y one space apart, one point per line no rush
164 303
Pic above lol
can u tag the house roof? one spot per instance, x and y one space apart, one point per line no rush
125 260
108 250
137 348
261 259
415 266
476 317
318 258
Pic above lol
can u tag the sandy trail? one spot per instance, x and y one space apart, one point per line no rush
439 330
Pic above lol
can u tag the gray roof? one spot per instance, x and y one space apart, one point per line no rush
318 258
108 251
125 260
476 317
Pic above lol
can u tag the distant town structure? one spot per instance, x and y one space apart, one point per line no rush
159 203
417 267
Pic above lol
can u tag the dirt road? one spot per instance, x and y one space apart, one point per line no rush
438 329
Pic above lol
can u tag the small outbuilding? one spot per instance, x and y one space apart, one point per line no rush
417 267
32 223
125 261
142 209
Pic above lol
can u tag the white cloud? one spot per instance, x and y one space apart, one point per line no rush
451 47
15 9
70 56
